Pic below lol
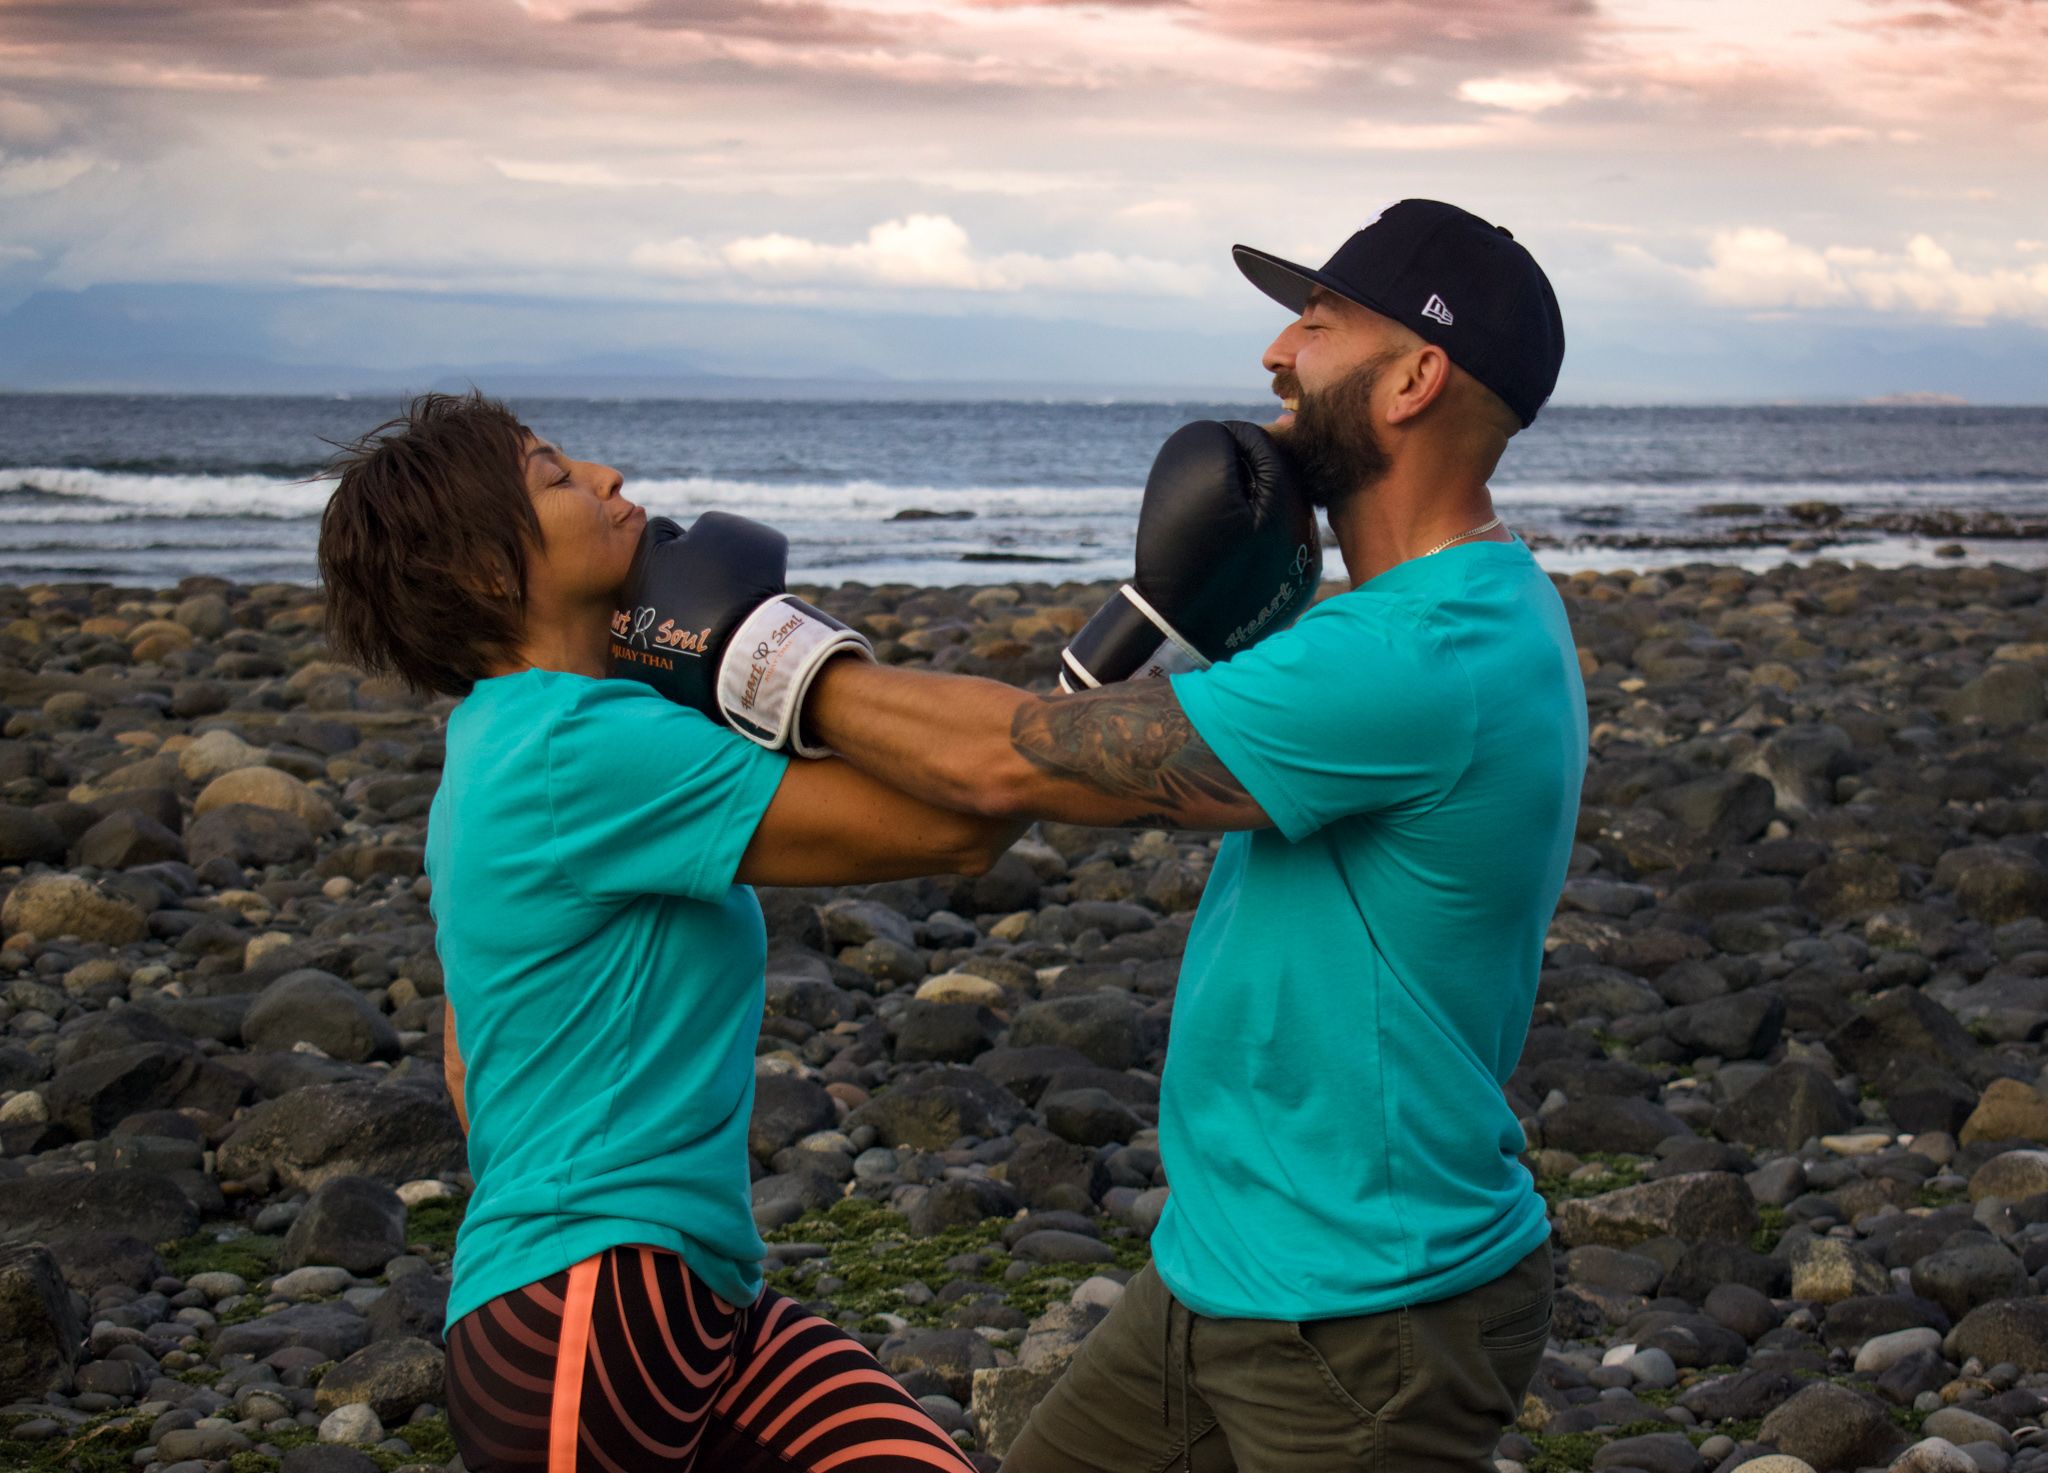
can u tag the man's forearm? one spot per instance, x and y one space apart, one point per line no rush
1124 754
945 738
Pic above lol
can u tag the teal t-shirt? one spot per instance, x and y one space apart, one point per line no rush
1359 979
606 977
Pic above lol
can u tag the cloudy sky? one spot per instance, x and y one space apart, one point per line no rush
1709 182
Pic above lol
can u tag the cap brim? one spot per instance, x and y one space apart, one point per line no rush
1283 281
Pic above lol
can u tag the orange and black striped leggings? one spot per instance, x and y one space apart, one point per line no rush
627 1363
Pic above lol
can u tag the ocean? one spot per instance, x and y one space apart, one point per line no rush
147 489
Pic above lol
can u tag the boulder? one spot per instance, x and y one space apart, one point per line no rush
932 1108
334 1331
27 837
2011 1176
323 1131
247 835
139 1204
390 1377
215 753
787 1107
311 1006
1743 1025
43 1339
1994 884
48 906
2004 697
267 787
1111 1028
89 1097
1833 1428
2007 1111
2008 1331
1707 1204
125 839
351 1222
1786 1107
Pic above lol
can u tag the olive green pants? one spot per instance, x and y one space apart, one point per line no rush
1424 1389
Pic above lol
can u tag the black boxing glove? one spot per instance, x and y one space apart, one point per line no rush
1228 553
706 622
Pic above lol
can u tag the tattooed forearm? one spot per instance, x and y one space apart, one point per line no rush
1129 742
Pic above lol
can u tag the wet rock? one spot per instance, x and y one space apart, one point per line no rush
2007 1111
2011 1176
1611 1124
315 1007
951 1355
1700 1205
1827 1270
1057 1175
334 1330
1111 1029
1653 1452
2005 1331
139 1204
30 838
43 1338
267 788
1746 1025
390 1377
2002 698
1994 884
1789 1105
125 839
1003 1400
247 835
1833 1428
959 1203
933 1108
351 1222
787 1107
327 1130
944 1032
1725 808
49 906
1088 1117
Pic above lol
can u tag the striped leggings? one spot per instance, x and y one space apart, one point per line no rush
627 1363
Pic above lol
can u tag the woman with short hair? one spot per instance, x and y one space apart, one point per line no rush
591 849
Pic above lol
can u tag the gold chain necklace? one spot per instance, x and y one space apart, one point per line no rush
1471 532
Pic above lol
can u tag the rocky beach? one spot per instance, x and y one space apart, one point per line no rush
1784 1087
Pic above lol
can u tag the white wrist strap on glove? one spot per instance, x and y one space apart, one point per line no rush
1173 655
774 655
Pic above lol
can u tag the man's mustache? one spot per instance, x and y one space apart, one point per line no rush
1286 385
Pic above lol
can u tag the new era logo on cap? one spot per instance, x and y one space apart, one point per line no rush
1435 308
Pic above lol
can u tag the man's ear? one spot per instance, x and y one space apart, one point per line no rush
1418 383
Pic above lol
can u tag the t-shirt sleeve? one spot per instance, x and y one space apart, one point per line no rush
651 798
1359 708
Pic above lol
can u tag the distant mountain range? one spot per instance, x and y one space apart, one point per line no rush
174 338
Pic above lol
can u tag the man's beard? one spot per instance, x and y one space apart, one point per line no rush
1331 440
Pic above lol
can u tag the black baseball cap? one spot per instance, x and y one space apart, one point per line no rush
1467 286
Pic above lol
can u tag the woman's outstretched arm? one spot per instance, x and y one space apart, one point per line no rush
831 824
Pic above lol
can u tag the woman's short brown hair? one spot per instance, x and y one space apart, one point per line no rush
424 544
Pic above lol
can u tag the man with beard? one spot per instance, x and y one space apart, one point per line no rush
1352 1270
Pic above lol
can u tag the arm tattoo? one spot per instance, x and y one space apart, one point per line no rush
1129 743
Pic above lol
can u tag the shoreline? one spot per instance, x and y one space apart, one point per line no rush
1785 1088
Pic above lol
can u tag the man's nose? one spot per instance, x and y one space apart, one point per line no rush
609 482
1280 354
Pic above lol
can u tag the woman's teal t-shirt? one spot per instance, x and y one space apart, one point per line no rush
606 977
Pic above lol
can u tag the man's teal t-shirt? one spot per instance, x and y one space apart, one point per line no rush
1359 979
606 977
